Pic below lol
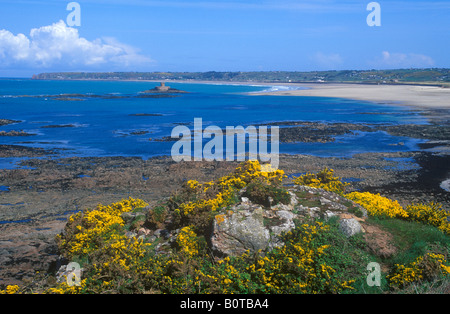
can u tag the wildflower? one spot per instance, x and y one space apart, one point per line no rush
432 214
324 179
378 205
403 275
10 289
187 240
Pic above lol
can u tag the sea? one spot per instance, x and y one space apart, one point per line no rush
114 118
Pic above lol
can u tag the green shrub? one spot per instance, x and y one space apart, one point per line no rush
263 193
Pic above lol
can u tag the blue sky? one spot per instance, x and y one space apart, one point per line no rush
221 35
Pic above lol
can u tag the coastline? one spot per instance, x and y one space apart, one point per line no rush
417 96
38 199
424 97
411 95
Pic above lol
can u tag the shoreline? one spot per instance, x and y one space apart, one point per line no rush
413 95
418 96
37 201
39 197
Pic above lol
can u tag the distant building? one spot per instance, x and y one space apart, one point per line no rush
162 87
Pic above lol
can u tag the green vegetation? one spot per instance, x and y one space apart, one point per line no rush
315 256
435 76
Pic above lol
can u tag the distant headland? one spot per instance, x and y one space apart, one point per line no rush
430 76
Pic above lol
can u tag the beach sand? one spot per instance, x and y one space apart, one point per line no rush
430 97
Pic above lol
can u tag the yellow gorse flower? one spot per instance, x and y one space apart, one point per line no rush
403 275
324 179
226 187
378 205
432 214
187 240
95 224
10 289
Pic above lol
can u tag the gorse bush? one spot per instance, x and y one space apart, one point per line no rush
314 257
197 204
114 263
432 214
377 205
297 267
424 268
187 240
89 230
10 289
324 179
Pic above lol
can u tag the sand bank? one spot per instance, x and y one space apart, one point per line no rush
430 97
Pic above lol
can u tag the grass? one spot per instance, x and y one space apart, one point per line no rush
413 239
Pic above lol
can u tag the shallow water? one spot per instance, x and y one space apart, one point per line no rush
96 125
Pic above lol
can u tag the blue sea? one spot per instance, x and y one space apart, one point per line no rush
108 118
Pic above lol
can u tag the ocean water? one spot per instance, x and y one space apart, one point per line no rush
108 118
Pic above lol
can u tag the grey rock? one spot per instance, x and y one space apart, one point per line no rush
350 227
240 232
131 234
287 222
244 199
130 216
328 214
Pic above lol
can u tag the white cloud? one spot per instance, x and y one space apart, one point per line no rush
330 61
403 60
58 45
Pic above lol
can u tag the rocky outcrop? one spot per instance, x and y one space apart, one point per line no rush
247 226
251 227
241 231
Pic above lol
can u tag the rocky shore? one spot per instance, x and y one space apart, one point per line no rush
38 196
39 199
8 151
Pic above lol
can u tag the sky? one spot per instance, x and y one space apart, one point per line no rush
39 36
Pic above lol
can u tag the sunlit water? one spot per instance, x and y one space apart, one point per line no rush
111 120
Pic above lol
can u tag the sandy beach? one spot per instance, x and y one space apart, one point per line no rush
430 97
